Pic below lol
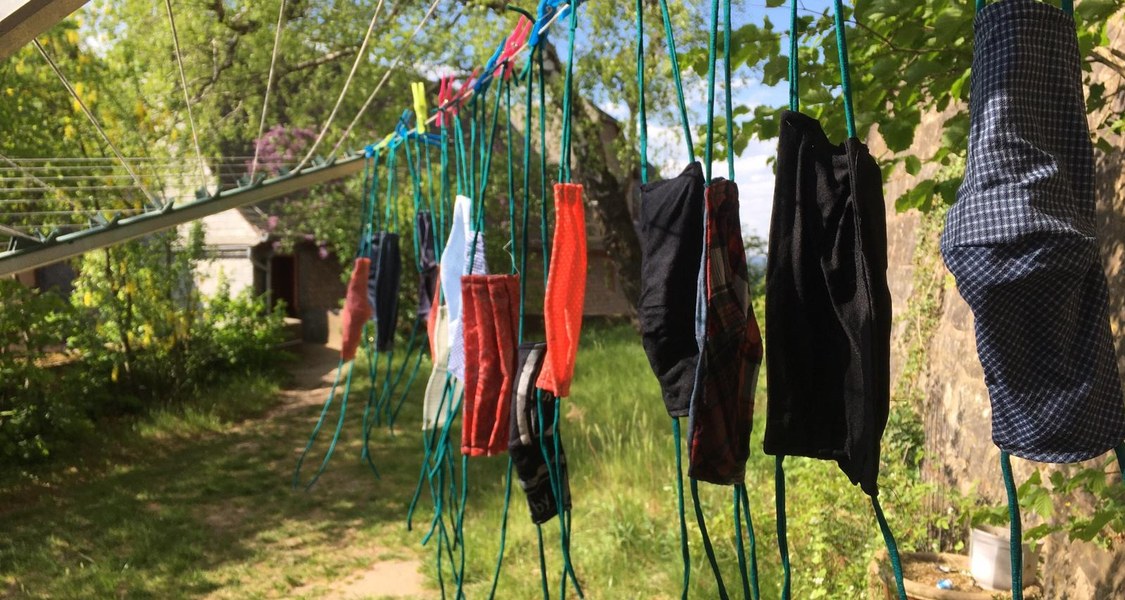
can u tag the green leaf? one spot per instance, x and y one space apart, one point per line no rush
774 3
913 165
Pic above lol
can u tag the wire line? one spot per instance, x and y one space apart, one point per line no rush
187 96
370 97
269 85
93 120
347 83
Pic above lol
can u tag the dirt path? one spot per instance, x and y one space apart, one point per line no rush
390 575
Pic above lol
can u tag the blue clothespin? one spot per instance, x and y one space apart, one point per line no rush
490 66
547 10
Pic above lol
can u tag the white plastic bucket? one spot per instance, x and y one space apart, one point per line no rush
990 559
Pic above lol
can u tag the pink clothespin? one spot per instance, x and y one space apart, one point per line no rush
445 94
466 91
512 47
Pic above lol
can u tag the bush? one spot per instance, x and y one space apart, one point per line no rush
136 336
40 403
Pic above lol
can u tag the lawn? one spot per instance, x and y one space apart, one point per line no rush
197 503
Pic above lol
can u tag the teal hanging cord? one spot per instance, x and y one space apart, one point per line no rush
542 563
673 56
411 345
782 535
554 476
1120 452
568 93
320 422
685 553
526 201
461 521
845 69
372 359
511 176
739 547
794 96
892 547
565 515
1016 537
642 111
707 548
390 210
409 384
729 112
754 586
381 404
503 528
709 142
543 217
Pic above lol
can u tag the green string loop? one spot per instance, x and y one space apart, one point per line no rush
845 70
642 112
709 143
739 547
671 41
794 96
754 586
1016 537
685 553
892 547
568 93
727 79
782 535
708 549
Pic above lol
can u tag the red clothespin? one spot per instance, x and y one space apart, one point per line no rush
466 91
512 47
445 95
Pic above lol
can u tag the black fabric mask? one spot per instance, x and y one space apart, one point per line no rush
526 441
427 262
383 285
828 307
671 237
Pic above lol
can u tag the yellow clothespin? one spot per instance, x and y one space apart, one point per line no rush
421 106
386 140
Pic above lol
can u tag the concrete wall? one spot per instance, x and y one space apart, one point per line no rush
949 382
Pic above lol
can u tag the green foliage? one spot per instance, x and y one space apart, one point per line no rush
908 59
136 336
41 402
1096 505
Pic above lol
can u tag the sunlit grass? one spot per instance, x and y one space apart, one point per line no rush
198 503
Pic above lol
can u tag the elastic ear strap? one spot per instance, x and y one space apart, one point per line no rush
892 547
729 112
782 536
753 545
568 93
1120 452
739 548
794 96
845 70
709 141
707 548
671 41
680 505
642 113
503 528
1016 537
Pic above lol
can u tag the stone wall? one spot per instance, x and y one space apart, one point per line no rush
954 403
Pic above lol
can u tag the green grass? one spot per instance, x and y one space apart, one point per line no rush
198 503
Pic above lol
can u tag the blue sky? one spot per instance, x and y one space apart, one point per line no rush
752 171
